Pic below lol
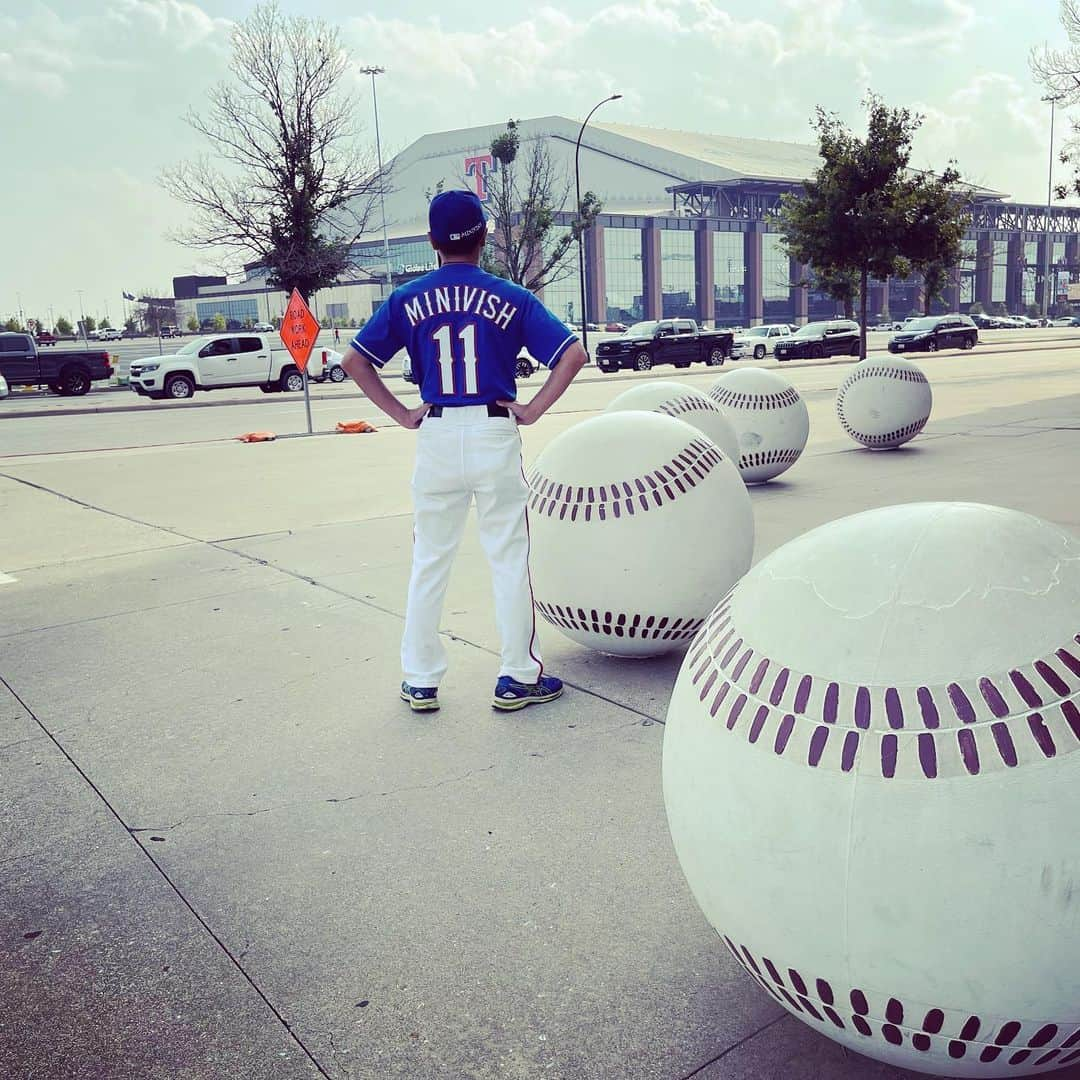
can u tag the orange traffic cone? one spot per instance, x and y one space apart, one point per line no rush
354 427
257 436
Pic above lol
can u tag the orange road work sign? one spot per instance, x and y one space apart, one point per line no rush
299 330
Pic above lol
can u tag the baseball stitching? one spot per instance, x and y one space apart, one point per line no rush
768 457
934 1032
602 501
1029 714
685 404
620 624
738 400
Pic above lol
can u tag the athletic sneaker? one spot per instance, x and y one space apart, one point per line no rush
420 698
511 695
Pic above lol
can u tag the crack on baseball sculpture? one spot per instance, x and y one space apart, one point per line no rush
674 399
639 524
769 417
884 403
872 777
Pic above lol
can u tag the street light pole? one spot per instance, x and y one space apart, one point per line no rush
581 233
1053 99
373 71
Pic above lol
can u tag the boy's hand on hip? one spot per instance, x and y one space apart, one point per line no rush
412 418
524 414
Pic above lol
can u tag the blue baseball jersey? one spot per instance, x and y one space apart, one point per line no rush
463 329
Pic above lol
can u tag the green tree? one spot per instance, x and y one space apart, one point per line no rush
13 325
841 286
294 190
105 324
936 277
193 324
525 193
976 308
63 327
863 212
218 323
89 323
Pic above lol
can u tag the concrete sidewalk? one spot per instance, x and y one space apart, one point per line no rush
229 851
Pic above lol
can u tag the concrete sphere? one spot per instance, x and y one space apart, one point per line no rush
639 524
872 777
884 402
682 402
769 417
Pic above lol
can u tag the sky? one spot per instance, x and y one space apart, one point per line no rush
93 95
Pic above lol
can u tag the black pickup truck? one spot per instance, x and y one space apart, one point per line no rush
67 372
664 341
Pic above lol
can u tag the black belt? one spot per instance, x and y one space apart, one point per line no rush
492 410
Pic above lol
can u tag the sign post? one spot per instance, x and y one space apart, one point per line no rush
299 332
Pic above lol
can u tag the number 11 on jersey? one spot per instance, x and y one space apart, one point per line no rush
445 358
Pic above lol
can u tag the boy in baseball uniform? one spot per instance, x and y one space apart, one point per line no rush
463 329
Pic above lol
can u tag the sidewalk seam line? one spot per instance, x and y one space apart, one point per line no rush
735 1046
168 880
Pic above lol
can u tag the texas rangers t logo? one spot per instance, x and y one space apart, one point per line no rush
479 166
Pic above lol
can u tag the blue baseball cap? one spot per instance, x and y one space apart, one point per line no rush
455 216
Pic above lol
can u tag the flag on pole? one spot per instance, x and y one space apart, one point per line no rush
129 296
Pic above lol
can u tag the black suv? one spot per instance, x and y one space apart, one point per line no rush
936 332
838 337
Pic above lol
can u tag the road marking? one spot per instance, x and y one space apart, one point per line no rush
6 579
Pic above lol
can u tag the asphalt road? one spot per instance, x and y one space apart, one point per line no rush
126 351
1047 371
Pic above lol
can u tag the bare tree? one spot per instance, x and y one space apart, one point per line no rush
294 190
1059 72
527 190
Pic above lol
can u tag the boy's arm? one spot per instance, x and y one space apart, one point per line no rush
561 376
370 381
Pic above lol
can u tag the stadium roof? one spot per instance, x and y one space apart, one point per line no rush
761 159
735 158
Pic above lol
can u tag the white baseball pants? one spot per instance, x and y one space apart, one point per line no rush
463 455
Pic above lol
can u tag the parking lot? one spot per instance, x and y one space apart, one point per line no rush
236 853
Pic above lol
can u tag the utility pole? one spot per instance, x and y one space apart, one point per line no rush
1053 99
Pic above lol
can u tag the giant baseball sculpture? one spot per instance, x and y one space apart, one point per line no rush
684 403
884 402
872 778
639 525
769 417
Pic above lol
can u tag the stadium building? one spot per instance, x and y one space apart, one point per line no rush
685 232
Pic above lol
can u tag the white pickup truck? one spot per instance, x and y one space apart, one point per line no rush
214 362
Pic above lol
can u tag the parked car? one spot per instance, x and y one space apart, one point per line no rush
522 369
758 340
110 333
983 322
1026 322
664 341
936 332
171 331
835 337
216 362
64 371
263 328
1066 320
325 366
615 328
45 338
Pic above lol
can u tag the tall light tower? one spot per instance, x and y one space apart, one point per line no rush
373 71
581 235
1053 99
